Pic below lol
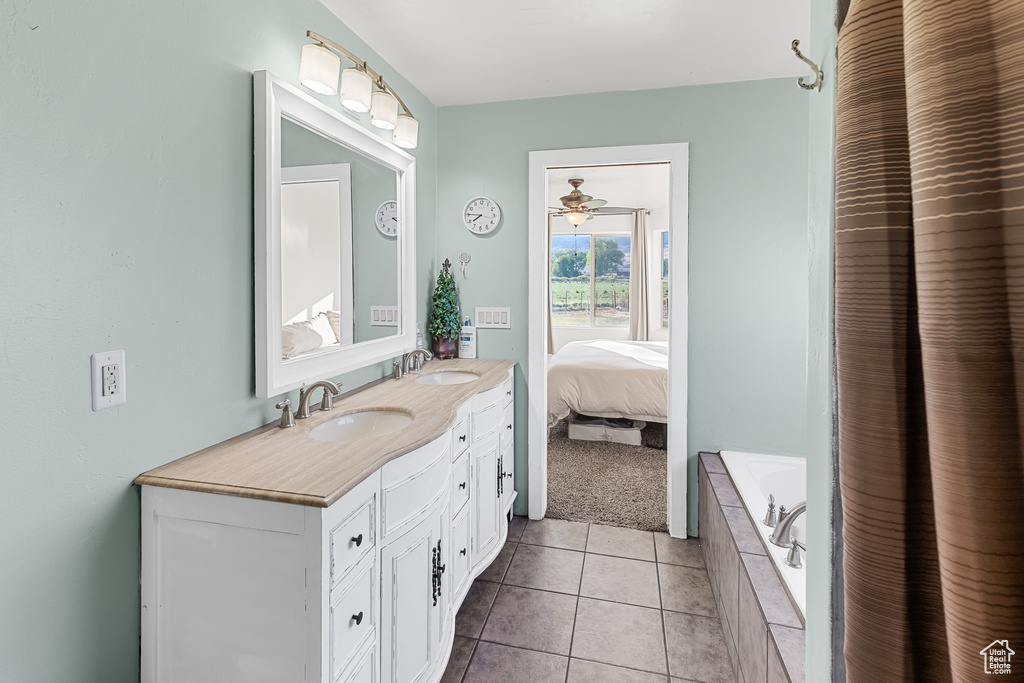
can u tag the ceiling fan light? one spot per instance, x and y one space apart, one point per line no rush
576 218
384 110
406 131
356 86
318 69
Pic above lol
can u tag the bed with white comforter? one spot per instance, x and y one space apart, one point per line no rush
609 378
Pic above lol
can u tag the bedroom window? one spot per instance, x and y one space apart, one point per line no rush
590 280
664 280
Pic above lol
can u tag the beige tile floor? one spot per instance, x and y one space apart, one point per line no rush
569 602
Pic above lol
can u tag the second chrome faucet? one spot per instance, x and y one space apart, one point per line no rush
326 403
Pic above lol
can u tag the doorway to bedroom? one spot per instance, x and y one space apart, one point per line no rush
608 317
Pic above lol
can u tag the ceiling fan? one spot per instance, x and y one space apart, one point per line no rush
578 207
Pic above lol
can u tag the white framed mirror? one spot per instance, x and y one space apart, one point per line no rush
334 291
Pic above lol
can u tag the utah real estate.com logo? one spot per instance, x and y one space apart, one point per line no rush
997 657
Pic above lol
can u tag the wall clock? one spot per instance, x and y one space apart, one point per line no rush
387 218
481 215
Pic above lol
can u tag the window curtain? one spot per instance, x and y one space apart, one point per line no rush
930 335
639 279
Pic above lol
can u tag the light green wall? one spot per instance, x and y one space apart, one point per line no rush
747 241
821 532
126 156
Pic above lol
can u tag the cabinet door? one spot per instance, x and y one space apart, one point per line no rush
407 597
508 481
485 496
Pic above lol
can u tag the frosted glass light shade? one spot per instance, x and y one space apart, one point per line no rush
406 131
318 69
576 218
384 110
356 86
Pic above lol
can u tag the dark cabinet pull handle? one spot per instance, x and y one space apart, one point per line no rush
510 426
358 618
508 393
462 438
358 540
462 552
462 485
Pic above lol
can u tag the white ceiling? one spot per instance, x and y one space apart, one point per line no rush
472 51
637 186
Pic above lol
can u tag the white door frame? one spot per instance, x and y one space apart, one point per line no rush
677 154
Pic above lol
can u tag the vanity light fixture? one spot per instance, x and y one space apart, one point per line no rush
318 71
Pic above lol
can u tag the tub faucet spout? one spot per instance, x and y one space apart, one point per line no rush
781 535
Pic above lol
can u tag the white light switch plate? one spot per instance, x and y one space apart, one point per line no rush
108 380
386 316
489 316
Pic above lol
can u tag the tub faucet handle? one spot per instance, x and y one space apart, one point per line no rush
771 518
793 557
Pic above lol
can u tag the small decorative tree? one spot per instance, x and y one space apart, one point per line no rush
444 316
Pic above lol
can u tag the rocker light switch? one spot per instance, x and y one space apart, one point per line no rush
490 316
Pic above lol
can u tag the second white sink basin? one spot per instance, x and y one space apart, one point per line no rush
448 377
361 425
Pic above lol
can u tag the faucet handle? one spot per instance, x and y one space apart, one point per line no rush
793 557
771 518
287 420
327 402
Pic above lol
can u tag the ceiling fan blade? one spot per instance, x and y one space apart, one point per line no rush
616 210
594 203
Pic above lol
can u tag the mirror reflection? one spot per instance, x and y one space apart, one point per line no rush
339 245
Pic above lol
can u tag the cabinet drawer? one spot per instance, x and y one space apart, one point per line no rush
508 426
461 563
352 618
352 540
460 482
508 391
460 437
486 419
413 482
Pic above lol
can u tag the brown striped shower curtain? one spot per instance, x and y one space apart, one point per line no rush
930 335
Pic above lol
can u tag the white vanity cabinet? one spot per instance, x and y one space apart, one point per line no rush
364 591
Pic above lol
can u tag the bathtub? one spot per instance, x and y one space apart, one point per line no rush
755 477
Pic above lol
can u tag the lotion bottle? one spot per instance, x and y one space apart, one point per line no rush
467 340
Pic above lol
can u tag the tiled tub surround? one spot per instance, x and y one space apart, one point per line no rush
764 633
587 603
756 477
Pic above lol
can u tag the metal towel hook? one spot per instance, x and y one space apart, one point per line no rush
814 67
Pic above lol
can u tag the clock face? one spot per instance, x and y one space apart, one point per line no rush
481 215
387 218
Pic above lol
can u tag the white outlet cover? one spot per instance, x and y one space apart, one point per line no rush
119 392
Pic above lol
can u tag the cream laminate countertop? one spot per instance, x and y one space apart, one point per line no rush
288 466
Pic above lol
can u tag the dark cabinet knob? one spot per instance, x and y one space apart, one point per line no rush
358 540
508 393
358 618
462 438
510 426
462 485
462 552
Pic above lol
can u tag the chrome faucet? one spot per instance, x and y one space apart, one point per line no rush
782 536
326 403
420 355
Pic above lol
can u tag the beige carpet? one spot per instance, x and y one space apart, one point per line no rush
608 483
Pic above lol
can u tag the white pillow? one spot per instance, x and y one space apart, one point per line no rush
335 319
299 338
321 324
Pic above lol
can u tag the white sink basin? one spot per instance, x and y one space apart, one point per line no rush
449 377
362 425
